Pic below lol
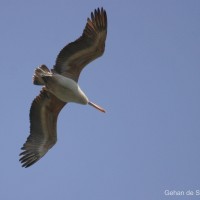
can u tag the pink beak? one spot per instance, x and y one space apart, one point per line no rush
96 106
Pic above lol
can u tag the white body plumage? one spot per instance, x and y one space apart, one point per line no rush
66 89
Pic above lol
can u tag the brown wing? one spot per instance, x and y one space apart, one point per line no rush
43 119
73 57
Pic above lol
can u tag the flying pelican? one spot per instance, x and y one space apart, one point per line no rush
60 87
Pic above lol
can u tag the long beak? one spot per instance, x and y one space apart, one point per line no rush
96 106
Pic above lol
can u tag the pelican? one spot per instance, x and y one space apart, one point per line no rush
60 86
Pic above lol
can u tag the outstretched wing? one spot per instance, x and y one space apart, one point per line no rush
43 119
73 57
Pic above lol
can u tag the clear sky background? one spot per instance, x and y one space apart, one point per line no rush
148 80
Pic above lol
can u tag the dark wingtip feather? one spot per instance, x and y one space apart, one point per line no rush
99 18
28 158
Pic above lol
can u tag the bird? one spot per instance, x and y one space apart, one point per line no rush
60 86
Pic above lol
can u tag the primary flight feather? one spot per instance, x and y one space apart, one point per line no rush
60 86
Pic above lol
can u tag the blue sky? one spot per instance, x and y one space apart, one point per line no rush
148 80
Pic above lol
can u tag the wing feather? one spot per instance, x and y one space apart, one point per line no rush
73 57
43 119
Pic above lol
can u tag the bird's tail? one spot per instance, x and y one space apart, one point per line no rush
40 75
